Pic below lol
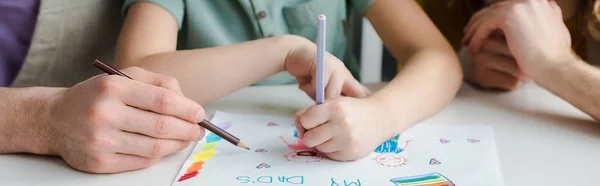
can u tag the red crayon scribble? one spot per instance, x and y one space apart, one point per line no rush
298 146
188 176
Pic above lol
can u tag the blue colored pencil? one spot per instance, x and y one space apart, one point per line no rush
321 37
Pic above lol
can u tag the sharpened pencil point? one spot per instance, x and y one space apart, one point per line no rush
243 146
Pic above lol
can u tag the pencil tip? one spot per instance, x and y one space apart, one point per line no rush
243 146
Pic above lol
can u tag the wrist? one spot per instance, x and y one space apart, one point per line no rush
294 45
28 115
387 116
546 74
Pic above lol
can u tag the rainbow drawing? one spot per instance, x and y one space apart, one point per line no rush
432 179
207 151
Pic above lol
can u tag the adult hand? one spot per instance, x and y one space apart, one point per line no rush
301 63
534 30
110 124
494 66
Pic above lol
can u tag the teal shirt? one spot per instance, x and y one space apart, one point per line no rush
212 23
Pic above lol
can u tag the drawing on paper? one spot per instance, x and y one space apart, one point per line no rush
473 140
391 160
433 161
260 150
207 151
300 152
272 124
263 165
390 153
430 179
444 141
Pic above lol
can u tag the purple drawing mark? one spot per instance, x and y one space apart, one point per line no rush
444 141
470 140
272 124
225 125
261 150
433 161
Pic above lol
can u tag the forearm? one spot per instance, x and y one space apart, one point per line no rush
576 82
22 111
429 81
209 73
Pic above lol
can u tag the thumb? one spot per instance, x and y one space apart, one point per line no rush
353 88
299 127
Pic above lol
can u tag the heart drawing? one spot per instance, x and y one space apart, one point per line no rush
263 165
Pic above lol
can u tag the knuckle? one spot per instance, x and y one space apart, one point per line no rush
97 115
99 164
162 125
146 162
158 148
170 81
108 86
340 107
165 100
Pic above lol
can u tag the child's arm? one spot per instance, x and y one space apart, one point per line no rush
431 73
149 39
349 129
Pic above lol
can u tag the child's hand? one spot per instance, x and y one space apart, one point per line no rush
301 63
344 128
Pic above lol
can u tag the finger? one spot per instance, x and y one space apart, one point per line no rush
339 156
486 62
367 91
126 162
140 145
159 126
559 16
495 79
473 24
155 79
309 89
329 146
162 101
496 45
318 135
353 88
334 86
508 66
483 31
475 16
299 127
315 116
556 9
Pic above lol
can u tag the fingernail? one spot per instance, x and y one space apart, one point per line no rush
200 115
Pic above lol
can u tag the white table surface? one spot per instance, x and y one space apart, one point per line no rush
541 139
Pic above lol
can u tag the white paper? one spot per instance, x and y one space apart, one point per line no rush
451 155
